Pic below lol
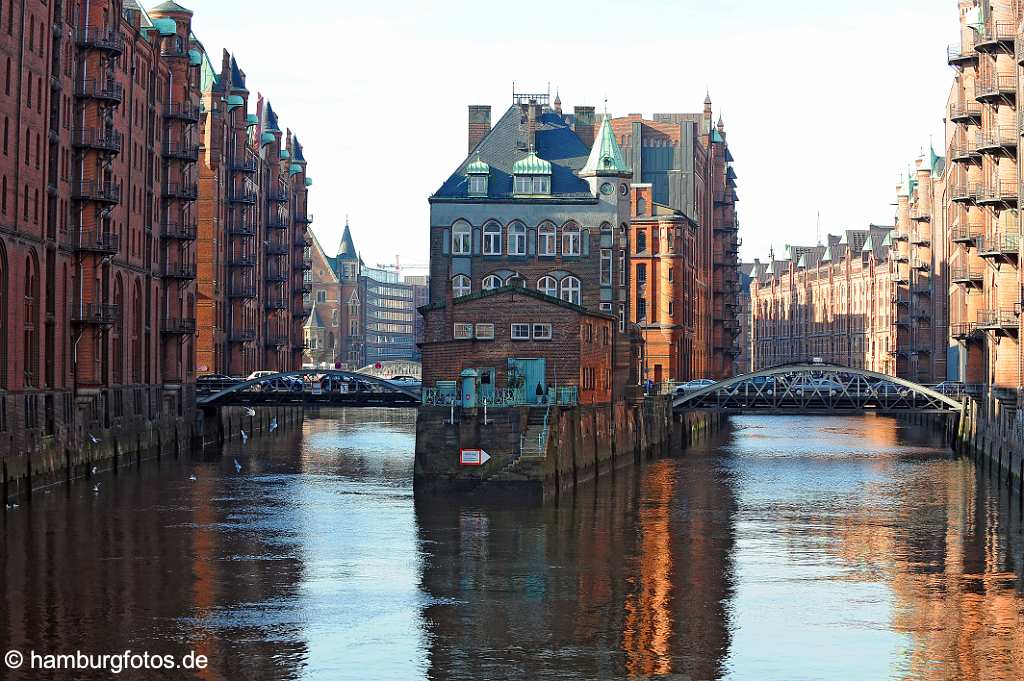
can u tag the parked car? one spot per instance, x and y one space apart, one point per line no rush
279 383
759 386
406 381
693 386
339 384
954 388
889 389
816 386
215 382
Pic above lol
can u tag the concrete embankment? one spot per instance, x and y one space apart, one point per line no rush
994 435
539 451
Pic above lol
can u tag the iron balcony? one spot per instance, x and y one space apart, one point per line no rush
189 113
276 341
921 240
178 326
919 215
996 87
277 303
963 193
275 275
964 234
104 243
921 264
101 39
243 196
966 276
95 138
97 314
179 271
965 112
187 191
276 249
241 228
998 192
174 47
964 330
181 231
242 290
302 242
899 257
899 236
997 140
242 336
1004 319
995 36
182 151
277 195
244 164
275 221
959 54
101 192
1019 51
965 150
999 244
105 92
304 263
242 261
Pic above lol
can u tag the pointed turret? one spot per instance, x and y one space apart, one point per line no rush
558 103
605 156
347 249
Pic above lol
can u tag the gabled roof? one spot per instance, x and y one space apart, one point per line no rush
507 142
237 77
606 155
169 7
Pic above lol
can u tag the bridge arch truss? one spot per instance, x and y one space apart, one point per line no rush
273 389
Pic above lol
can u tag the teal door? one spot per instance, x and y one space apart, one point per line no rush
531 371
486 384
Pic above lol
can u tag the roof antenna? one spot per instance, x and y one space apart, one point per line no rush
817 231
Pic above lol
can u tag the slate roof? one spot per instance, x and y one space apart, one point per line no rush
170 6
313 321
347 249
237 77
506 143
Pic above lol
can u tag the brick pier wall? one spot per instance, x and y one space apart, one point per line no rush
584 442
991 434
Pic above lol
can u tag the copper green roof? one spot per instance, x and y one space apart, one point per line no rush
606 155
477 167
869 244
165 26
266 138
252 119
827 255
309 181
195 58
285 155
294 169
531 164
235 101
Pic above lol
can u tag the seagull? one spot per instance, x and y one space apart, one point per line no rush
193 477
96 488
12 506
93 439
249 411
93 472
245 437
238 466
273 424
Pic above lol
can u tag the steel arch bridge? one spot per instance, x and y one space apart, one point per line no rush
282 388
817 388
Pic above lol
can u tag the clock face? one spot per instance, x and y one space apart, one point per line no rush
607 188
623 189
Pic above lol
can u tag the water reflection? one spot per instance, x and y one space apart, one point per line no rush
787 548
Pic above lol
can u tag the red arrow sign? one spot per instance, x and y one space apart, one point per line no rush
473 457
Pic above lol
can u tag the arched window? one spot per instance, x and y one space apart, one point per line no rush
641 241
641 207
30 325
571 290
516 279
547 239
570 239
548 286
492 281
517 239
460 286
462 235
118 332
492 238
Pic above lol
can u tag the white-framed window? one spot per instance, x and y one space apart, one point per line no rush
517 239
548 286
541 332
606 267
622 268
492 281
533 184
570 290
462 237
547 239
571 239
492 238
462 331
622 317
520 332
477 185
605 307
641 241
461 286
485 331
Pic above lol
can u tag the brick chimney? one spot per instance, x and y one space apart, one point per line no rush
479 123
531 124
583 124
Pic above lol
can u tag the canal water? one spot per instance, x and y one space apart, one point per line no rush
787 548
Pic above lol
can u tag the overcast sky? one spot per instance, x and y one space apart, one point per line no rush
824 102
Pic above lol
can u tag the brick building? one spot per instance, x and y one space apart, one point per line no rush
541 203
834 301
254 255
323 328
686 162
985 294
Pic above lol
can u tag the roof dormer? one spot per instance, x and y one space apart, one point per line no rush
478 174
532 176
